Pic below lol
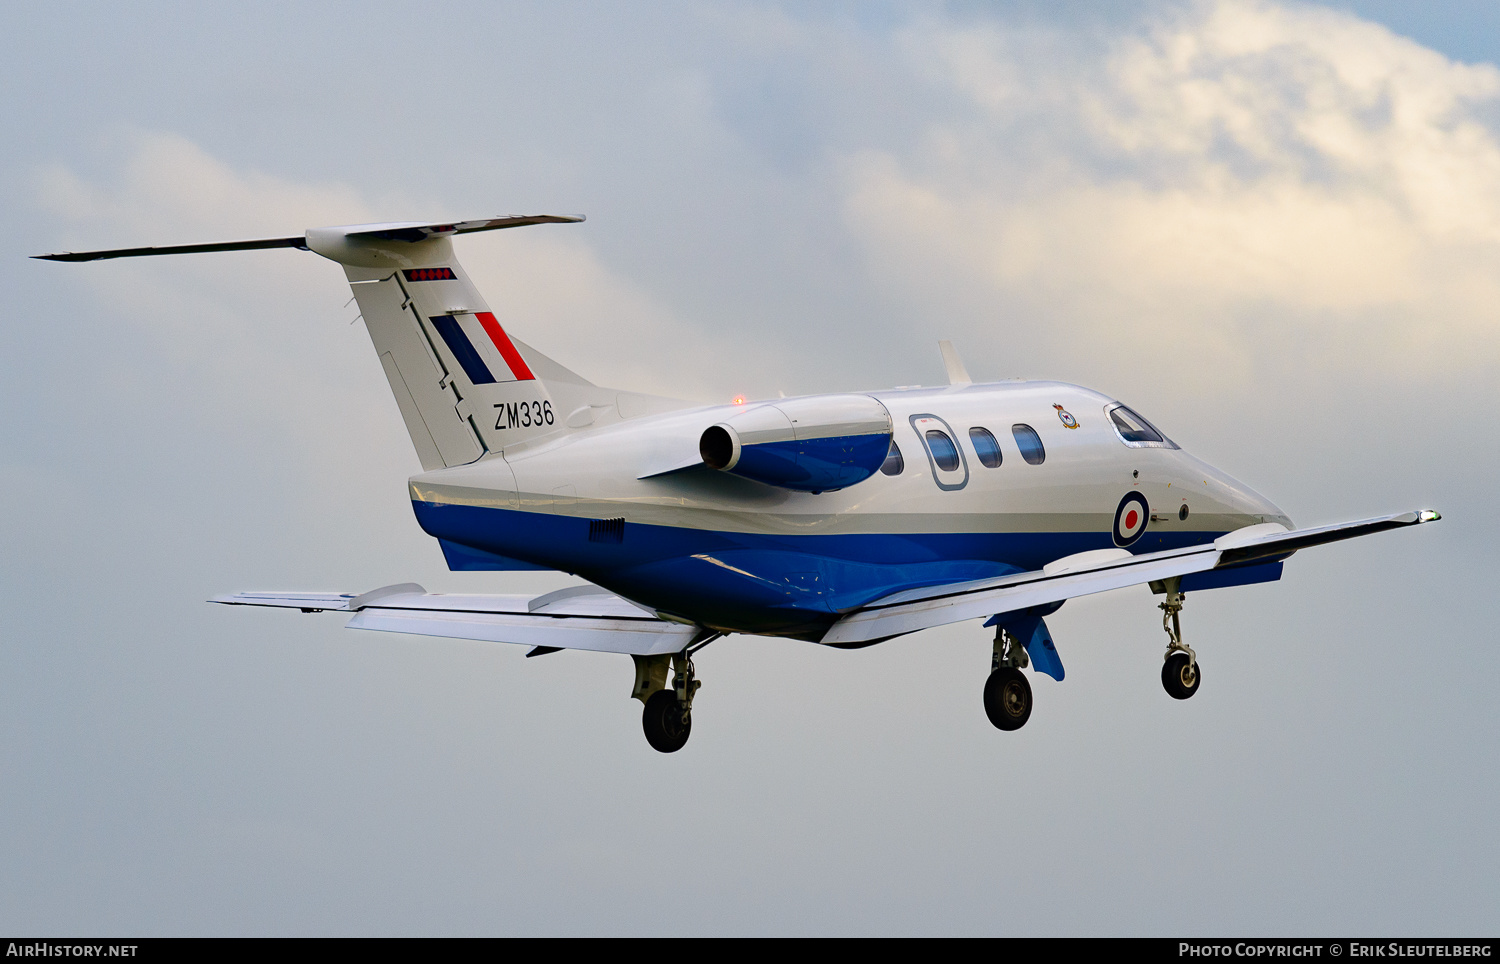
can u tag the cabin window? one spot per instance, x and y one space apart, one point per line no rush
1136 431
893 463
985 447
944 452
1029 443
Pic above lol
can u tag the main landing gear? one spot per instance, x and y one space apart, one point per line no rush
1007 694
668 721
1180 673
668 717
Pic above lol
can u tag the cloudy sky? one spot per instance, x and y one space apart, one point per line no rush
1274 228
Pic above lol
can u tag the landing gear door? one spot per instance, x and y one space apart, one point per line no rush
950 467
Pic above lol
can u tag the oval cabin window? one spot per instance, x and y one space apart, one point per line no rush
893 463
1029 443
986 447
944 452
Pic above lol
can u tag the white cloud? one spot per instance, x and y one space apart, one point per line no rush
1240 179
170 190
552 288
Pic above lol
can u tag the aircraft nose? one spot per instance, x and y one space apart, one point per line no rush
1252 504
1242 505
1248 505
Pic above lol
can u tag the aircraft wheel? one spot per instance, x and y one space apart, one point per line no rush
667 726
1007 698
1179 678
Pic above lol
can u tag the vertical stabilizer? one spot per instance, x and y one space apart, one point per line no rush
463 387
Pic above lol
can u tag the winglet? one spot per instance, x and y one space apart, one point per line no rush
957 373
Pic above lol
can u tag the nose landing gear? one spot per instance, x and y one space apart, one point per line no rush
1181 676
1007 694
1180 673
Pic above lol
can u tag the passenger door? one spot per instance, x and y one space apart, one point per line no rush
945 456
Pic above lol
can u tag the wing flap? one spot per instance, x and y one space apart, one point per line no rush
643 636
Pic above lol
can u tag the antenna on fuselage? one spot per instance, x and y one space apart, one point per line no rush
957 373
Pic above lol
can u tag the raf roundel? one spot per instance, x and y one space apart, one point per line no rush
1131 518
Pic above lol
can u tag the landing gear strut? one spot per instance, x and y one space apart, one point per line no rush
668 717
1007 694
1180 673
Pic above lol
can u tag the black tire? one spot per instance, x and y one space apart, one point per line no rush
1178 678
667 726
1007 698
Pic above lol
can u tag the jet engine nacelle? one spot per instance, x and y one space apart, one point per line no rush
807 444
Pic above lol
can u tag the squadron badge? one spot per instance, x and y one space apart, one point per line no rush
1066 416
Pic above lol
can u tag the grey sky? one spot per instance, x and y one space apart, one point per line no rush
1274 229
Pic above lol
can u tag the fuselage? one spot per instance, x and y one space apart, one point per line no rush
629 506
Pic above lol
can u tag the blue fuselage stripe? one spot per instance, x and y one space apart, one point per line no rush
752 582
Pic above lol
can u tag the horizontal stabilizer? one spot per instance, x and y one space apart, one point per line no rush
911 610
422 230
580 617
393 231
299 241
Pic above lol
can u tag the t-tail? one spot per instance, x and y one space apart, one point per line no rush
465 387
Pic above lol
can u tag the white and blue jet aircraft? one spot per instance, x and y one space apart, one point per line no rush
844 520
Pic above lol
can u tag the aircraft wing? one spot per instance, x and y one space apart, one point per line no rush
580 617
1087 573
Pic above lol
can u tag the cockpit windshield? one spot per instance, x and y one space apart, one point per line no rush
1136 431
